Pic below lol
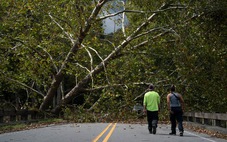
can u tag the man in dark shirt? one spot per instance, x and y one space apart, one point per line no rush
175 104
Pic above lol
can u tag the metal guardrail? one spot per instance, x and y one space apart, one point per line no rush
213 119
21 115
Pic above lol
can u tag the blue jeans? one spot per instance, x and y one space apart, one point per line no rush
176 115
152 119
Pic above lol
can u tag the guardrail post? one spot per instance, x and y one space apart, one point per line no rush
226 121
6 119
1 116
194 118
29 116
18 118
213 119
213 122
225 124
203 122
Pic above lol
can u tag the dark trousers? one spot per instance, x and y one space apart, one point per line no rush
176 115
152 119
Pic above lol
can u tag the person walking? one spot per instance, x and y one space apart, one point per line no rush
175 106
151 106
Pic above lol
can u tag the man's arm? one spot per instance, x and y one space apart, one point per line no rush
144 109
182 102
168 102
144 105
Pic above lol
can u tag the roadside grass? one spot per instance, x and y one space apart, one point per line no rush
18 126
11 127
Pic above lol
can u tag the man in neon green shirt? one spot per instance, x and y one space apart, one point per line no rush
151 105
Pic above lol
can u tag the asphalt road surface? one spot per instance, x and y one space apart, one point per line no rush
103 132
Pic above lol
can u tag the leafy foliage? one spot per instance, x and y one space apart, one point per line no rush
56 53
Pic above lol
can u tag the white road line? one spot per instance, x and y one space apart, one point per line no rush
200 136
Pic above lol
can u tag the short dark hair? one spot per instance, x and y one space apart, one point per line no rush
151 87
172 88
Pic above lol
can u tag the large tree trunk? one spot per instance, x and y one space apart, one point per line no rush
77 89
59 76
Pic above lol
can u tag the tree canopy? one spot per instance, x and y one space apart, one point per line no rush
56 53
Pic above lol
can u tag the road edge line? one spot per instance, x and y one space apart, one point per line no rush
200 136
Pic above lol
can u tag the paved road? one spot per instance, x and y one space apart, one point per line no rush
103 132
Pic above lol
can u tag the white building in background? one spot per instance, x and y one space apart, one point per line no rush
115 23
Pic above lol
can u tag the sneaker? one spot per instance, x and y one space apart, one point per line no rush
150 131
154 130
181 133
172 133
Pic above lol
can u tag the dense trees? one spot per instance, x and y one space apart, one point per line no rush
56 53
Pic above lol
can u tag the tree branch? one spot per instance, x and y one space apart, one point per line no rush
26 86
66 33
140 12
123 20
51 58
